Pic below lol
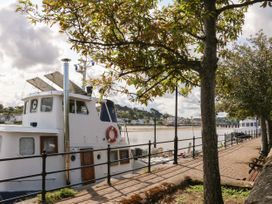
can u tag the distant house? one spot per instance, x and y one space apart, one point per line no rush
10 118
197 121
18 118
170 120
137 122
3 118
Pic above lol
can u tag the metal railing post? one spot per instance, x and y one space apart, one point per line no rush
231 139
44 155
155 132
175 150
149 156
193 147
109 165
225 140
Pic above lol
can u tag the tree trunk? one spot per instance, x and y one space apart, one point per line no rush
212 186
264 137
269 125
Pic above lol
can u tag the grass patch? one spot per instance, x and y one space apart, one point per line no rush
227 192
187 192
233 193
193 194
53 197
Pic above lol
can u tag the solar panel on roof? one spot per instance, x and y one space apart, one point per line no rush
40 84
57 78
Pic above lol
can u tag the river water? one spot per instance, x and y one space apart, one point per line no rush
142 134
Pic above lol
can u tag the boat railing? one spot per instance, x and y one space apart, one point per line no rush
226 140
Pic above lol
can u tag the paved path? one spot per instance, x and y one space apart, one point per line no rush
233 167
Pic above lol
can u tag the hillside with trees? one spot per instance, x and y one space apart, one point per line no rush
128 113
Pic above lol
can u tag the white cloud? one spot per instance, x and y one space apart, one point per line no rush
23 45
258 18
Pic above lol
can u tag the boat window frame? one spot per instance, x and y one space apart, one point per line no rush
108 114
52 104
72 103
43 138
126 159
104 113
114 162
82 113
26 107
31 110
33 142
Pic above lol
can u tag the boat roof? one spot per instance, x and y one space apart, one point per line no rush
60 93
22 129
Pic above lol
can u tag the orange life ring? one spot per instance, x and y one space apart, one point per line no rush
111 134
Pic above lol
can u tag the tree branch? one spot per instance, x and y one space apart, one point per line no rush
123 43
154 85
202 38
232 6
192 64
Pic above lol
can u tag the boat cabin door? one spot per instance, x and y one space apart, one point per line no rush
87 173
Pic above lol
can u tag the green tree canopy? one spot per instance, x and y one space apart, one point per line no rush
245 82
245 78
138 41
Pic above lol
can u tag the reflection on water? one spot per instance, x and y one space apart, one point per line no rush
142 134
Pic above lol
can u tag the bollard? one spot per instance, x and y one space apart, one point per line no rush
231 139
44 155
149 156
109 164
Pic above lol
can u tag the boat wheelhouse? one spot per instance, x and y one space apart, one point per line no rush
248 125
92 126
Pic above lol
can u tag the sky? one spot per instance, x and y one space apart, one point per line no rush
27 51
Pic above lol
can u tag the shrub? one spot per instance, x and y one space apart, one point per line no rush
53 197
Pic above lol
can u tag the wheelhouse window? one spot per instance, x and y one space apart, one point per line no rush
34 106
123 154
26 146
82 108
72 106
49 144
25 107
47 104
107 112
114 158
104 116
111 109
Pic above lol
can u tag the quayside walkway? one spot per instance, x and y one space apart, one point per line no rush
233 168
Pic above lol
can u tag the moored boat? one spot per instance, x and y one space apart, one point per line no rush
92 125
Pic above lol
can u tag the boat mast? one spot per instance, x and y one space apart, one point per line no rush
66 117
82 69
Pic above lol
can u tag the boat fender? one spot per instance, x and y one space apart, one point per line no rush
111 134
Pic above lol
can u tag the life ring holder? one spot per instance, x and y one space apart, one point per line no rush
111 134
